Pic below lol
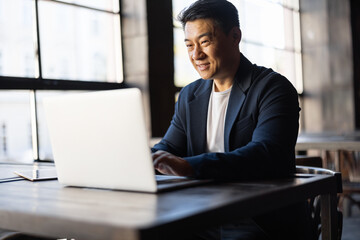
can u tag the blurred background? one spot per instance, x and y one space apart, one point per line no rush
54 47
50 47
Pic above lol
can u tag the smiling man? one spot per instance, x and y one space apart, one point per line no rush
238 121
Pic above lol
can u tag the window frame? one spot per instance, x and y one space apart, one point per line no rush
38 83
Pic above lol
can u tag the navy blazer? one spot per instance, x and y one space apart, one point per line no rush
261 126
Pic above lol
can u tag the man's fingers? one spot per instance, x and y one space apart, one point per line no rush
167 163
159 160
158 154
164 162
163 168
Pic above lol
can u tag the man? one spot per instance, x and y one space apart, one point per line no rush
239 121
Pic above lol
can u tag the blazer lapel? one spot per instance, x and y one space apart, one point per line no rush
237 97
198 117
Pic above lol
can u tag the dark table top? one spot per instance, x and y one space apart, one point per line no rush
50 209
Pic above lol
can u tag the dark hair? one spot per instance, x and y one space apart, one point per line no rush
222 12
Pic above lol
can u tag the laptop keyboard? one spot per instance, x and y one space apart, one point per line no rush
160 179
165 181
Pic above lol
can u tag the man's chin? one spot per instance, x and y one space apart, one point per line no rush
206 77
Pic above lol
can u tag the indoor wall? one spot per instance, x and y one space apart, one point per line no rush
328 99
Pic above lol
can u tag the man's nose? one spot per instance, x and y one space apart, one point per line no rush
197 53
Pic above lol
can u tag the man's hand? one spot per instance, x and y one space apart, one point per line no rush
169 164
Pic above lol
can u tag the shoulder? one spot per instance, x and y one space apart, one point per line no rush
263 74
267 79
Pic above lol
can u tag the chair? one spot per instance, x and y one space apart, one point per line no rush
350 167
20 236
310 165
310 161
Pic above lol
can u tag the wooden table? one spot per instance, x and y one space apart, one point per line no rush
46 208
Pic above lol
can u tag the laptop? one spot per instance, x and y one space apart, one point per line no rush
99 140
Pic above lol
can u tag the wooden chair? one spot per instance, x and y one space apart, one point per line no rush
312 165
350 167
309 161
21 236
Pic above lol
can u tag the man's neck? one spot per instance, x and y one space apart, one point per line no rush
221 86
225 83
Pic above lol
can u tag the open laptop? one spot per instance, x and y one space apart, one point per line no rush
99 139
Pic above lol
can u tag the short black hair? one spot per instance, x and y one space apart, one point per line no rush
222 12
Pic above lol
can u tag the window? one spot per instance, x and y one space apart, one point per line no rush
270 37
51 47
0 63
15 126
16 38
74 40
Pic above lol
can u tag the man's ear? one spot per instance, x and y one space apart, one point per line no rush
236 35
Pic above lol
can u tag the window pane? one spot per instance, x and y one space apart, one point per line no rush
293 4
179 5
263 23
45 150
79 44
17 53
268 23
109 5
297 32
184 71
15 127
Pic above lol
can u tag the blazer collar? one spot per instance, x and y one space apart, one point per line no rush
198 107
197 117
241 84
243 76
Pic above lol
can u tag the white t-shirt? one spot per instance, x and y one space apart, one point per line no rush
218 103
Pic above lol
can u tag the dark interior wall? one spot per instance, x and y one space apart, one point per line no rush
328 101
161 64
355 27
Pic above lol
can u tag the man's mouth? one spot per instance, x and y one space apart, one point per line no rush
203 67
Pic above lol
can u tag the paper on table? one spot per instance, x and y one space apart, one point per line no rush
38 174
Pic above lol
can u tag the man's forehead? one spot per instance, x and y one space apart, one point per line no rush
199 28
202 22
206 34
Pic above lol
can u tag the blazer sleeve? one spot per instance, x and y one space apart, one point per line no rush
271 151
174 140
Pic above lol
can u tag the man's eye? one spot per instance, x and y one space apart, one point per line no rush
188 45
205 41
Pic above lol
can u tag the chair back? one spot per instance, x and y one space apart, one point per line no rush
312 165
315 170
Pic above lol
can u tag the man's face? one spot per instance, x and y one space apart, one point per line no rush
210 50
